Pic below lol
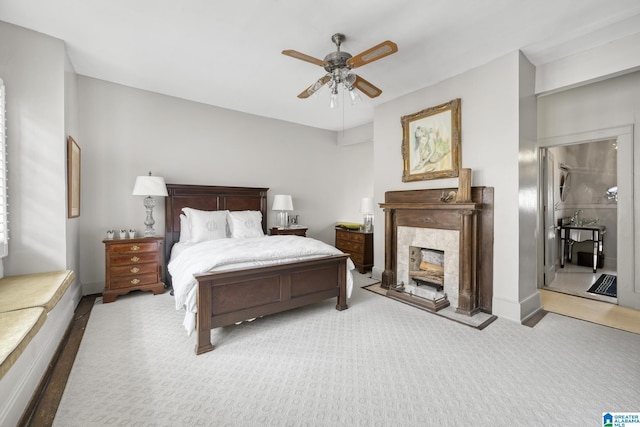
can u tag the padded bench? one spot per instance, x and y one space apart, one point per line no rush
24 303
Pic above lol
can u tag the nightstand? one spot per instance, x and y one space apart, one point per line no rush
296 231
132 264
359 245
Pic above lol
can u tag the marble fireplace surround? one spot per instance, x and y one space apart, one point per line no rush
434 239
473 220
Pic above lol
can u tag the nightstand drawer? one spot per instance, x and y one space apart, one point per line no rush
134 269
132 264
133 259
295 231
134 247
133 280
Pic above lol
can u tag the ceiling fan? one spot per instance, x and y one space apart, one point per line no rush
339 64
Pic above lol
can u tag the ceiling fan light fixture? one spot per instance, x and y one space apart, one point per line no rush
339 64
333 102
354 95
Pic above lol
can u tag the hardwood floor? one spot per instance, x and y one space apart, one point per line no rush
567 295
602 313
43 406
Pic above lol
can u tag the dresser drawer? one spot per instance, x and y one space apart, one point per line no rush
359 246
134 269
127 259
133 280
357 258
346 235
133 248
348 246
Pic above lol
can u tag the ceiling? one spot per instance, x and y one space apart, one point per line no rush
228 53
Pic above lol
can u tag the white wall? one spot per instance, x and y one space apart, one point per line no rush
490 147
126 132
71 128
33 68
600 63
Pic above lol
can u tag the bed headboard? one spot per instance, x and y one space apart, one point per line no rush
208 198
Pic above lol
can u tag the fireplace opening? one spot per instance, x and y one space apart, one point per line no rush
426 267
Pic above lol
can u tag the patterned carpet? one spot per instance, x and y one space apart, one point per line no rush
378 363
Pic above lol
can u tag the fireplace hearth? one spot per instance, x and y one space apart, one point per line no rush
439 253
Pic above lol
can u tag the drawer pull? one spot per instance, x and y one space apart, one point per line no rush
135 248
135 281
135 269
135 259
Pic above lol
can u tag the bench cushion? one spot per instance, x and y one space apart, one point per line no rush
18 328
34 290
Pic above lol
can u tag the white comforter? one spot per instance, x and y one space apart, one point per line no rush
224 254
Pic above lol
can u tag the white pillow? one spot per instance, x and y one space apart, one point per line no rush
206 225
245 223
185 229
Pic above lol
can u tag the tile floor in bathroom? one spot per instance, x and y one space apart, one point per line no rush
576 280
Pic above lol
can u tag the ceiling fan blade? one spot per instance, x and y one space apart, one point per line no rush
315 87
385 48
304 57
365 87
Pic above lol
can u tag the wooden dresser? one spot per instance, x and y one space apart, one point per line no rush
359 245
132 264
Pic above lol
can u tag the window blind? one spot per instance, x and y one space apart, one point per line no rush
4 221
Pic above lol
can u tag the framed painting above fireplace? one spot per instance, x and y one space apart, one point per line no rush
431 142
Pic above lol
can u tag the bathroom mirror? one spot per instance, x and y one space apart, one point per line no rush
565 179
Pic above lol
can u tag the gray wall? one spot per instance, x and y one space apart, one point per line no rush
126 132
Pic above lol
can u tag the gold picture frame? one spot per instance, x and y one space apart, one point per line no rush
73 178
431 143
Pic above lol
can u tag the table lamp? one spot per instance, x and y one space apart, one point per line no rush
282 203
149 186
366 208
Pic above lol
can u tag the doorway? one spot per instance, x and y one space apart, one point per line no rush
581 160
586 177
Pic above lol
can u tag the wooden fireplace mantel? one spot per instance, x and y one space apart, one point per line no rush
474 221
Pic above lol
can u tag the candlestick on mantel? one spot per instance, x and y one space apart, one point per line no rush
464 185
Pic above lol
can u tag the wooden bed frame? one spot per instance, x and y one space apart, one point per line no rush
231 296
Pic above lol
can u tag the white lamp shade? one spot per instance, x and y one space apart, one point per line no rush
366 205
282 202
150 186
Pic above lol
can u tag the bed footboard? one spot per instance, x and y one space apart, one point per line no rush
227 297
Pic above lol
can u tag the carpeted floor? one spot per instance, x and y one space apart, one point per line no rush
378 363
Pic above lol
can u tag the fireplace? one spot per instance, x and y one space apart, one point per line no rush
426 267
439 253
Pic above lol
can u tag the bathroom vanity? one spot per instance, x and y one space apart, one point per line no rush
572 233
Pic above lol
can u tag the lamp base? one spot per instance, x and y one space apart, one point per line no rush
368 223
149 203
283 219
